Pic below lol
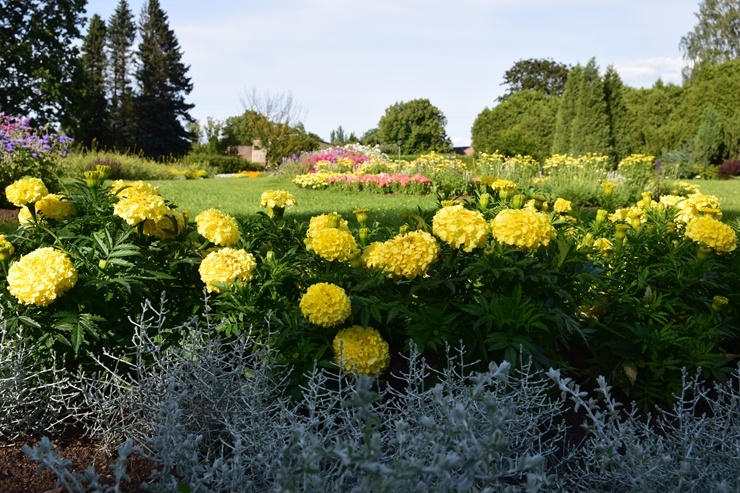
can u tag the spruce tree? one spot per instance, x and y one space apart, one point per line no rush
618 115
709 141
121 34
93 128
567 111
589 130
162 86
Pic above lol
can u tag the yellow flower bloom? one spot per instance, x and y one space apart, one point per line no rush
334 244
277 198
123 188
225 266
168 226
26 191
136 207
6 249
41 276
562 206
325 304
460 227
603 245
372 255
406 255
324 221
712 233
217 227
55 207
361 351
24 216
525 229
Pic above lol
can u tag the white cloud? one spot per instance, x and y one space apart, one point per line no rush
645 72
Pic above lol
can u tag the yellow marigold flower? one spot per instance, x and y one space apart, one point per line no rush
603 245
24 216
407 255
136 207
125 188
361 351
26 191
41 276
372 255
217 227
501 185
525 229
718 302
168 226
324 221
325 304
562 206
688 209
225 266
277 198
460 227
712 233
6 249
334 244
55 207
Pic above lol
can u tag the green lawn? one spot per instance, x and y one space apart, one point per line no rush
728 192
241 197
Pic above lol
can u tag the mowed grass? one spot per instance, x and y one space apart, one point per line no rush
240 197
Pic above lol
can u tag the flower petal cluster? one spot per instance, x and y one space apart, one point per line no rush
525 229
55 207
26 191
225 266
562 206
41 276
691 207
460 227
407 255
135 207
334 244
217 227
361 351
712 233
168 226
6 249
123 188
325 304
277 198
324 221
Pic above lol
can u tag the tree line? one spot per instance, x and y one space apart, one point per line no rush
107 92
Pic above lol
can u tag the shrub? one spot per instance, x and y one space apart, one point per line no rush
729 169
221 163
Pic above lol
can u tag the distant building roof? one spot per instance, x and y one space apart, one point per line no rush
463 150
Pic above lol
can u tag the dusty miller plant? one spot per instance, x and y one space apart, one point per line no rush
211 415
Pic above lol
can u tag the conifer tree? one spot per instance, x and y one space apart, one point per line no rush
618 115
121 34
92 127
567 111
589 130
709 141
163 83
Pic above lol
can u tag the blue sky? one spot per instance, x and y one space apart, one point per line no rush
345 61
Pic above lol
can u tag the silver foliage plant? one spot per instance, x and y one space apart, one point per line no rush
212 416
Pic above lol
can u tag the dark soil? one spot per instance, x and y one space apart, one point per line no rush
8 215
18 474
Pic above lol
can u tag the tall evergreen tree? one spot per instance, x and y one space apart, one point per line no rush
567 111
590 128
40 71
709 142
121 34
616 109
93 128
162 86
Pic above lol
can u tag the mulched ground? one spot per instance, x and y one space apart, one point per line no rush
8 215
18 474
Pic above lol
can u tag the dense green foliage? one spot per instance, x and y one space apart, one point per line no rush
522 124
417 126
541 75
40 74
715 38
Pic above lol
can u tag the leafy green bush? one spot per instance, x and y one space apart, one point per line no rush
221 163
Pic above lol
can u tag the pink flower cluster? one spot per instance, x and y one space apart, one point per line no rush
382 179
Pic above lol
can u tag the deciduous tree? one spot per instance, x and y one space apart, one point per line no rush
417 124
716 36
536 74
40 71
